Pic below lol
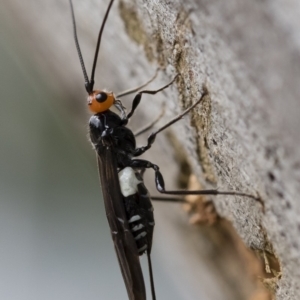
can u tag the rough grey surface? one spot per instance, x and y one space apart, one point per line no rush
244 137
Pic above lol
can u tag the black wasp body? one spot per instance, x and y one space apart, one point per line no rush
107 131
127 202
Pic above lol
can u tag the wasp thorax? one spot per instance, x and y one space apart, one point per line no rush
100 101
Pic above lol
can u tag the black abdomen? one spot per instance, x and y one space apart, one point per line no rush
138 208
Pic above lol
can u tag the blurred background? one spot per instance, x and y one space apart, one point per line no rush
54 239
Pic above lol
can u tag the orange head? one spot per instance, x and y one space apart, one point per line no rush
99 101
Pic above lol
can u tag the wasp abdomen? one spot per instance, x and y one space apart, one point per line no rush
138 208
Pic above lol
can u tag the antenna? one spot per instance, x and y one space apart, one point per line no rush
89 84
86 79
98 45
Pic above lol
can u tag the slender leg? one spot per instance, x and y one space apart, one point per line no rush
168 199
134 90
137 99
160 184
121 108
150 125
151 276
152 136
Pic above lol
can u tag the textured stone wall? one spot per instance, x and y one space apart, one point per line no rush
244 136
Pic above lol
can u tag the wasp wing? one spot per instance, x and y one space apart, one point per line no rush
124 242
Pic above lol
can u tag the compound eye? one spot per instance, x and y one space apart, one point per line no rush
101 97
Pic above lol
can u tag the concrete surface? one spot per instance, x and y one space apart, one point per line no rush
245 135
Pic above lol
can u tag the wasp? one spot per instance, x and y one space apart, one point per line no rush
127 201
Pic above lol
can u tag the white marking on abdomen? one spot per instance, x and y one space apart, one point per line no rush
128 182
143 248
134 218
141 235
137 227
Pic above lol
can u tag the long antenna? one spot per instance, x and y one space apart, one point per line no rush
91 84
86 79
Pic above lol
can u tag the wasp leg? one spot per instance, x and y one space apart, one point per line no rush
150 125
152 136
168 199
137 99
136 89
160 183
151 276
